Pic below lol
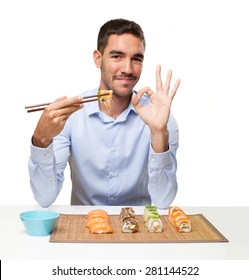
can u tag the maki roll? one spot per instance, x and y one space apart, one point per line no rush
152 219
148 211
128 221
155 224
179 219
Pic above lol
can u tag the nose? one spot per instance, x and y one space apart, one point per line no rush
127 66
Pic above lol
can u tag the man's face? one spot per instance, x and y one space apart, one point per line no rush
121 64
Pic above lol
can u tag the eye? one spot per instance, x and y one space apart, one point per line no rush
138 60
115 56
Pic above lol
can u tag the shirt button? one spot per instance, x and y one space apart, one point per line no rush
113 174
153 159
111 198
51 179
48 155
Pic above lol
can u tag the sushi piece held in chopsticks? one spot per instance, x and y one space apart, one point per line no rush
128 221
106 99
152 219
179 219
98 221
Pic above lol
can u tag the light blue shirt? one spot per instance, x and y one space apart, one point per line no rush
111 161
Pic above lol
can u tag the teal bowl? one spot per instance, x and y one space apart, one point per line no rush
39 222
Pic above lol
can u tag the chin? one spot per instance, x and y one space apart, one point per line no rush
124 92
124 89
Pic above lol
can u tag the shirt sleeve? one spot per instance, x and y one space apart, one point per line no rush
46 177
162 169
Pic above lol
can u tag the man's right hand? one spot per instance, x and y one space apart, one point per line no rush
53 119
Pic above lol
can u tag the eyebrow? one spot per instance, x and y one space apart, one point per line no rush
119 52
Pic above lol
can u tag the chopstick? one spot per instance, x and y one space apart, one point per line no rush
42 106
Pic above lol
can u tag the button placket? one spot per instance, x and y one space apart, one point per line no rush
113 171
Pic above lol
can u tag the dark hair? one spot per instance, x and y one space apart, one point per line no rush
118 26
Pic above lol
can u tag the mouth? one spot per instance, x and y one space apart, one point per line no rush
125 81
125 78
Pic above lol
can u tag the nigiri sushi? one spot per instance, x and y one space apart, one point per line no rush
101 228
96 212
98 221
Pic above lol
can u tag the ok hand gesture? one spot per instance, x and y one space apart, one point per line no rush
156 113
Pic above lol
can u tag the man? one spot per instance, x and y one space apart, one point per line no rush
123 155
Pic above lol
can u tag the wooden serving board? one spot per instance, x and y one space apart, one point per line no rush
71 228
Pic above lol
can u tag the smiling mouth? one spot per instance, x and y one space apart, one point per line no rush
126 82
125 78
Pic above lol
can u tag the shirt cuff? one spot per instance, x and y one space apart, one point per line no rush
160 160
41 155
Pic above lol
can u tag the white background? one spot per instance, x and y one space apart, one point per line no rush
46 51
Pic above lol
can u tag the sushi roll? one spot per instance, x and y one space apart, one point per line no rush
155 224
152 219
98 222
128 221
129 211
148 212
129 225
179 219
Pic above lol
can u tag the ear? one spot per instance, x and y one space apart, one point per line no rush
97 58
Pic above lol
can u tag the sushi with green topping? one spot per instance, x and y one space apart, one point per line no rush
152 219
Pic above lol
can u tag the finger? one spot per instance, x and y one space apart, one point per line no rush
167 82
135 102
175 88
54 111
72 101
144 90
149 92
67 111
159 84
64 117
63 102
61 98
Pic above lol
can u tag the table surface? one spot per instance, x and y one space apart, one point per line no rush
232 222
